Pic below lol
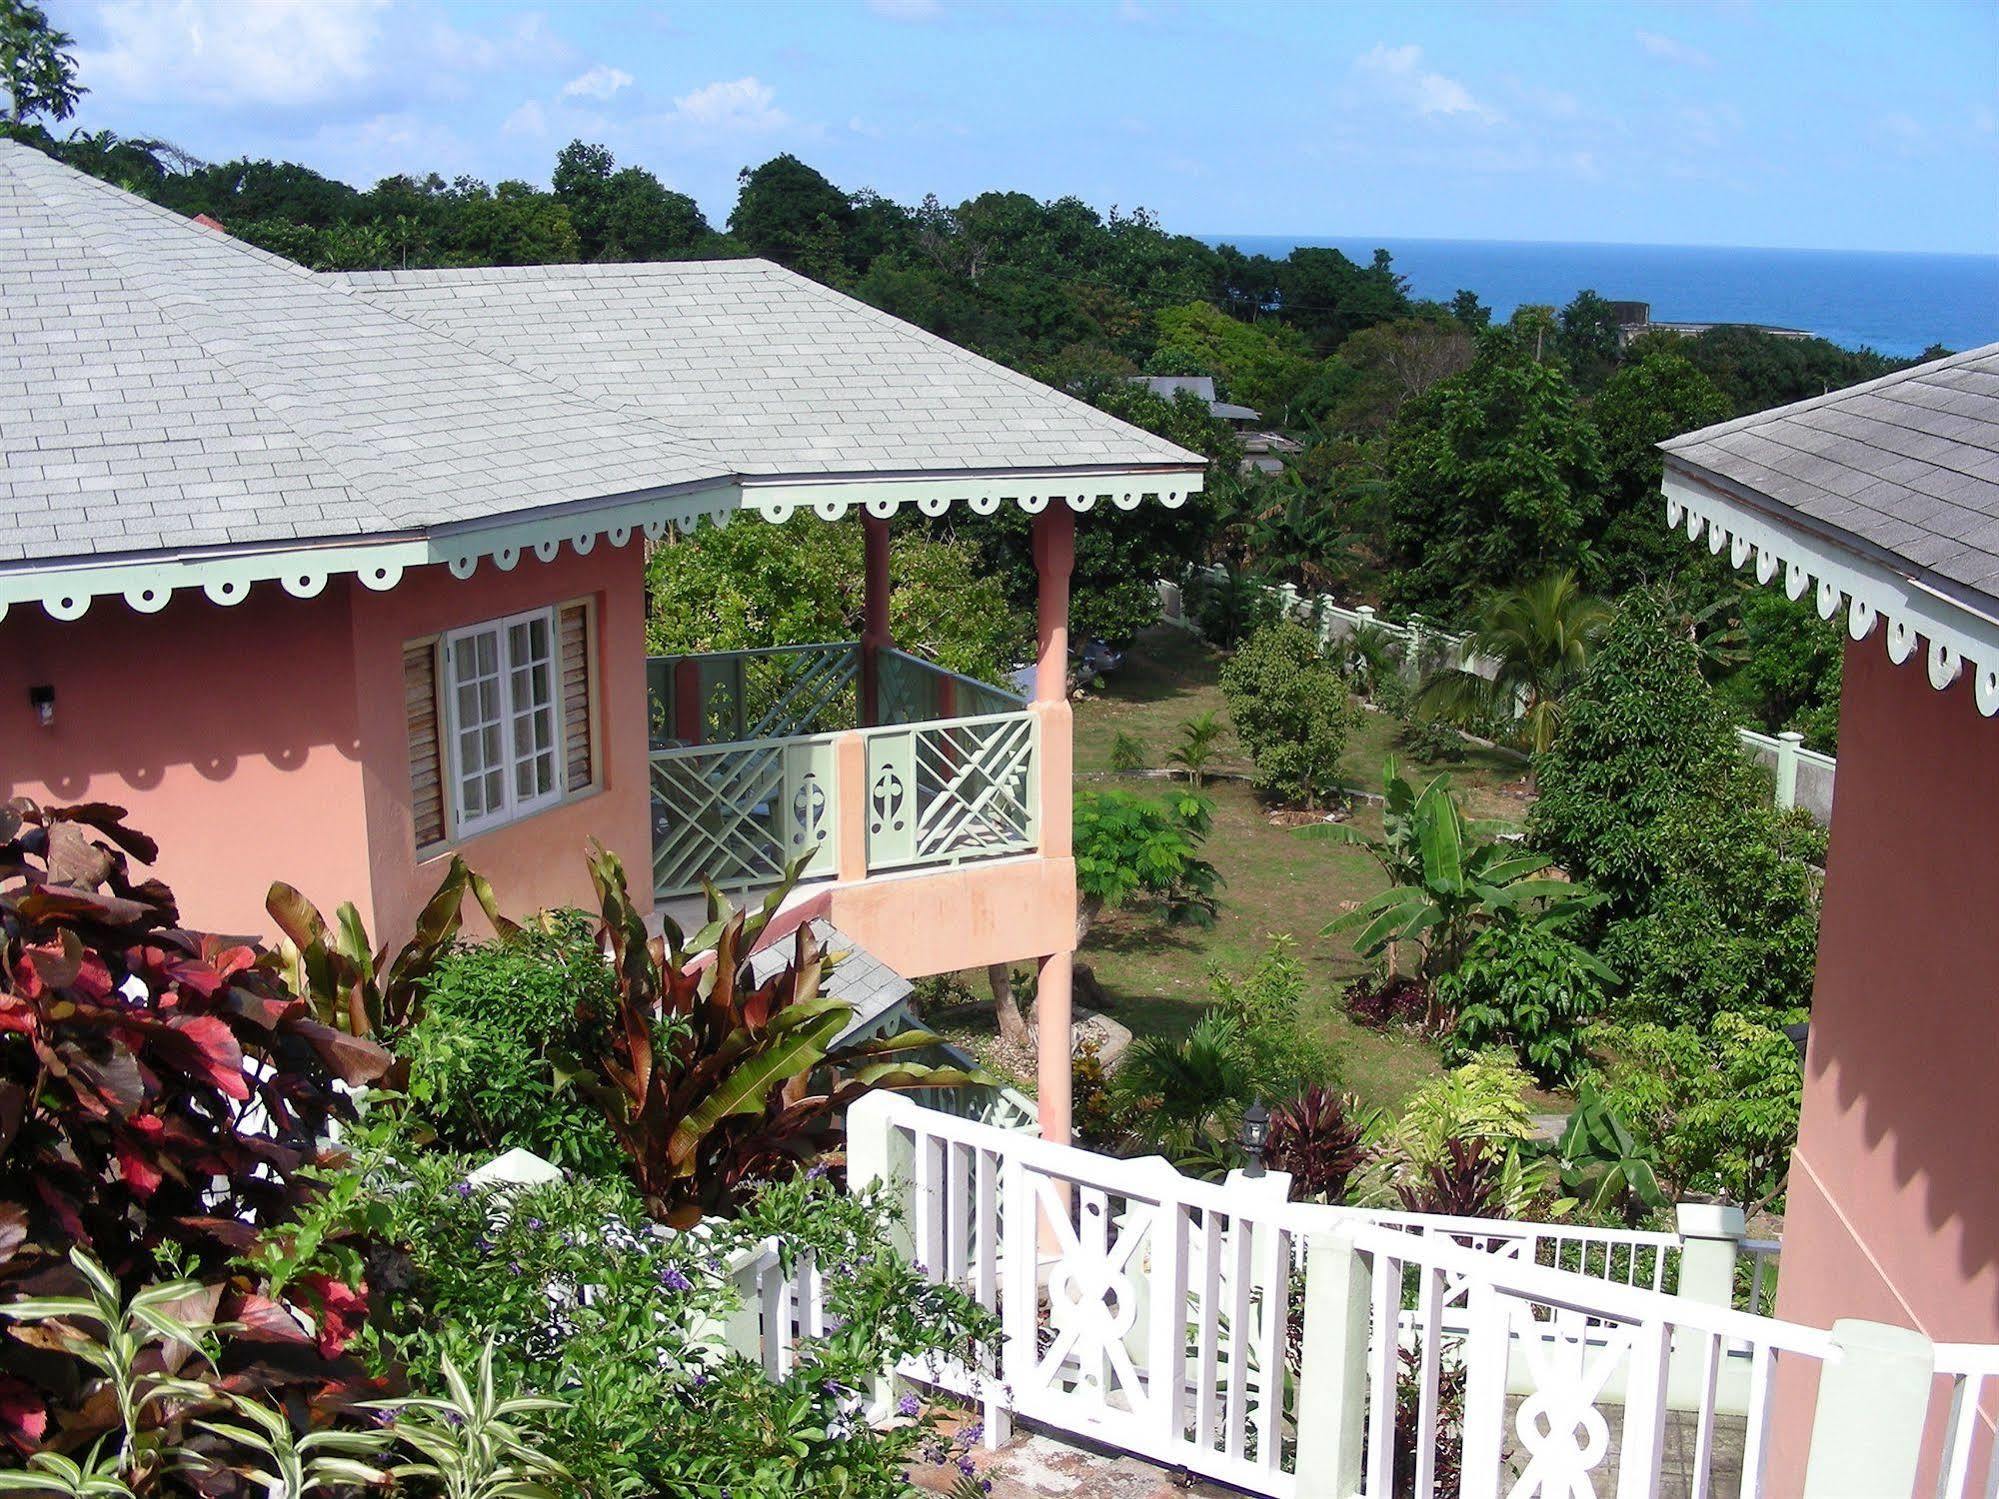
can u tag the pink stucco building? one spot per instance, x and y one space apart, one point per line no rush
330 578
1881 503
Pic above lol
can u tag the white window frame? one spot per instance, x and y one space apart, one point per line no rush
513 806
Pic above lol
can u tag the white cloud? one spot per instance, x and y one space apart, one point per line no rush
743 106
599 83
1709 124
284 52
1672 49
907 10
530 119
861 127
1398 74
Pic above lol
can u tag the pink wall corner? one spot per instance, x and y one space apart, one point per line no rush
228 733
1003 912
1892 1212
537 862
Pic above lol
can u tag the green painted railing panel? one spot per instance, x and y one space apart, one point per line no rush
947 792
756 695
739 814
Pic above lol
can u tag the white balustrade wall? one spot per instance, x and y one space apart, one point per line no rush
1802 777
1294 1349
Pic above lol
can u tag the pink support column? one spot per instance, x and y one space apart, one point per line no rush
875 634
690 722
1054 559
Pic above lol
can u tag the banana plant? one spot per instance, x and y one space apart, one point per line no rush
1605 1164
1449 874
352 985
713 1077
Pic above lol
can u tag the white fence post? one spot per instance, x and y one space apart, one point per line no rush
1710 1240
1787 767
879 1152
1867 1432
1332 1380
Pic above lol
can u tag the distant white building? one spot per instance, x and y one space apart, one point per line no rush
1263 451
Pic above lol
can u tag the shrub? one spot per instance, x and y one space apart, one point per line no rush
711 1080
654 1403
1463 1182
1526 986
1319 1137
1482 1101
1379 1001
1292 711
1642 735
1128 752
1280 1055
1721 1104
1606 1165
1131 851
1196 750
502 1024
1231 608
161 1090
1732 923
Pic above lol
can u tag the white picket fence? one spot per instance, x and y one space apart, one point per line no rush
1292 1349
1803 778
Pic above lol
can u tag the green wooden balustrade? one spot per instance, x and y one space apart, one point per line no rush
760 790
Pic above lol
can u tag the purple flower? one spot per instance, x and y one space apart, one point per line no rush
672 1279
534 1223
463 1189
965 1465
908 1406
700 1379
972 1433
815 1173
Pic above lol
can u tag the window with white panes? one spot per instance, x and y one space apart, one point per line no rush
503 700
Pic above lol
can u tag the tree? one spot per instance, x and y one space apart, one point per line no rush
1494 475
1589 339
1330 298
1540 634
1467 309
36 66
1292 712
789 212
623 214
1642 734
1645 402
1397 362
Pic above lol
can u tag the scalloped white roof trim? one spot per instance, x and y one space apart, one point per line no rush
146 583
1909 614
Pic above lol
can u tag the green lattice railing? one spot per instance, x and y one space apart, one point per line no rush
942 793
949 774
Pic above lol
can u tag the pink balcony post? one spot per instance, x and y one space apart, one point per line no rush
1054 558
875 635
689 717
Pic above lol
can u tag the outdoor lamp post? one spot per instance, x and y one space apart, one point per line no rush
1255 1135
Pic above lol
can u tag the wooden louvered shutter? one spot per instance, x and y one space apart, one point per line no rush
426 762
579 739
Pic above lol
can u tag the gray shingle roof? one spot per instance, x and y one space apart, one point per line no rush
1904 467
859 978
163 385
787 376
166 387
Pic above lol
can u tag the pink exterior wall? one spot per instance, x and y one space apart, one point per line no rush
1893 1211
536 862
267 740
1003 912
230 734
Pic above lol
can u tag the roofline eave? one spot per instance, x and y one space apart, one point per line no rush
1879 591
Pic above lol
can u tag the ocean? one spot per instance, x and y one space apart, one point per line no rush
1899 304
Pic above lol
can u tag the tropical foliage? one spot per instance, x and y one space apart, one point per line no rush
1131 851
1526 985
1292 711
1538 639
711 1078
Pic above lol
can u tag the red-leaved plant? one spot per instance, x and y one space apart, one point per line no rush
1319 1138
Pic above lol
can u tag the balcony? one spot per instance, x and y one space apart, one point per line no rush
846 761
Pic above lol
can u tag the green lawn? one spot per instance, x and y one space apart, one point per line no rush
1155 976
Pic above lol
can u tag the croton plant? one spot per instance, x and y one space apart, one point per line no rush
163 1093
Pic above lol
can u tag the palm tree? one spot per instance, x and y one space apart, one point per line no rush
1539 637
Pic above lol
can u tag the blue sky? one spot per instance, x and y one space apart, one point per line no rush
1829 125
